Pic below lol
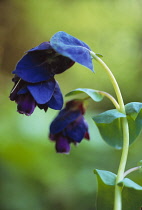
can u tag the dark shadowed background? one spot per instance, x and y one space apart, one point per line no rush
33 176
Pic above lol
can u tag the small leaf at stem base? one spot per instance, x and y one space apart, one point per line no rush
131 193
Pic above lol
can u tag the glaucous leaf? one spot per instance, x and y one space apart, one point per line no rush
94 94
133 108
131 194
134 117
107 177
106 181
109 125
130 184
73 48
135 126
108 116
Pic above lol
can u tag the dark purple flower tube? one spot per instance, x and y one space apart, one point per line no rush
26 104
69 126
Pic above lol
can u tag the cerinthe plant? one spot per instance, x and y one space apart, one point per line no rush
34 85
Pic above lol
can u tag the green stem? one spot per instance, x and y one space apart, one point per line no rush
111 98
122 165
113 81
132 170
125 128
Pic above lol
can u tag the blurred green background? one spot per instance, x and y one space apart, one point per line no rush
32 175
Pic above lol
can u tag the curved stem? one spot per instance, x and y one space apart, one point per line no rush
111 98
113 81
125 129
131 170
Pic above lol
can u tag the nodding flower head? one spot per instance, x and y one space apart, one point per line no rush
29 95
34 83
69 126
41 63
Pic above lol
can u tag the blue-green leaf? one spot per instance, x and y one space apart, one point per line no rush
72 48
133 108
135 126
108 116
109 125
134 117
131 194
107 177
130 184
94 94
105 190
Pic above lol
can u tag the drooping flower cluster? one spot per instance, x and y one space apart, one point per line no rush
34 83
69 126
